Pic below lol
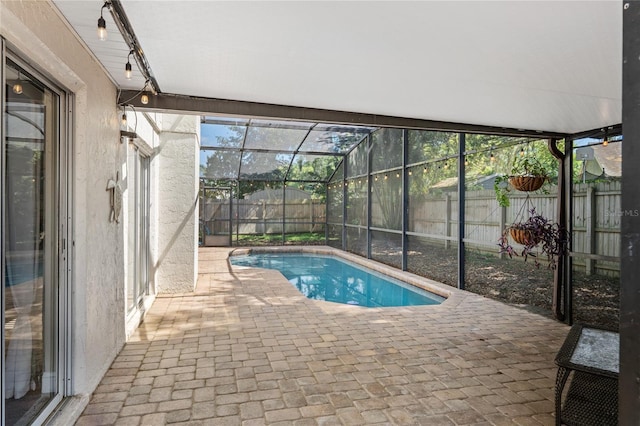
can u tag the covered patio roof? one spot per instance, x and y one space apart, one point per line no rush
548 66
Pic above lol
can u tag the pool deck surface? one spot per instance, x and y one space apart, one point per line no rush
246 348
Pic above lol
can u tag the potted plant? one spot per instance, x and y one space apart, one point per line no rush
527 174
536 231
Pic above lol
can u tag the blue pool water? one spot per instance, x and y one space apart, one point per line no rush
331 279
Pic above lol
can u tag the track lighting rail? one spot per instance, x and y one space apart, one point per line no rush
126 29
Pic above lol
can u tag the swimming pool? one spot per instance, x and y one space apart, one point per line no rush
329 278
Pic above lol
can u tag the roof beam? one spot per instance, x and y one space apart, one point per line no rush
181 104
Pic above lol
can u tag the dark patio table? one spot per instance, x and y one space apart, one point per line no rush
592 355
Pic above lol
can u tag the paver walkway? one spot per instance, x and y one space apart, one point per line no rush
247 349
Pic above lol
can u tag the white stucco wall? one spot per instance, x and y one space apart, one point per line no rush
36 33
99 324
176 266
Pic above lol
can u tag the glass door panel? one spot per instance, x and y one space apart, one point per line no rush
30 246
138 223
132 232
143 226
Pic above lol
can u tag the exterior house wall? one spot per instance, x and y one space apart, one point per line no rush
35 31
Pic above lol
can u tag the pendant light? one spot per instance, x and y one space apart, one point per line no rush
102 24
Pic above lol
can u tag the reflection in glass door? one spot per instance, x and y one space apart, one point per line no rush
30 147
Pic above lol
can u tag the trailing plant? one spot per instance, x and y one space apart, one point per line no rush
540 232
528 165
525 166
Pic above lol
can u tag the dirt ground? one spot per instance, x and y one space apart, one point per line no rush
595 297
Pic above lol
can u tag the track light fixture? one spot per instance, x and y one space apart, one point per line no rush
127 67
102 25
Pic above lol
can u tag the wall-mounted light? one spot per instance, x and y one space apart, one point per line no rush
102 25
127 68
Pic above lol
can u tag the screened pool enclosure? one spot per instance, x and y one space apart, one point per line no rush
394 195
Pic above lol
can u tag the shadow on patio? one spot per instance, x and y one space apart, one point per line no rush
247 349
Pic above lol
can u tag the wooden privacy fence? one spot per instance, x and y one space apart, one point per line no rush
265 216
596 219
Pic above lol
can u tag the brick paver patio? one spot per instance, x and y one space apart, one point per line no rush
247 349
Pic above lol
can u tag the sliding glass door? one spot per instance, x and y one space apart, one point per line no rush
31 246
138 227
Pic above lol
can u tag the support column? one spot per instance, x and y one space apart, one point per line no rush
178 186
343 188
559 303
405 197
461 205
629 382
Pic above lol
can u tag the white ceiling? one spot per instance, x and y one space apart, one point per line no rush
538 65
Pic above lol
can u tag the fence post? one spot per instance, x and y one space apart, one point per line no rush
447 220
264 217
502 224
590 217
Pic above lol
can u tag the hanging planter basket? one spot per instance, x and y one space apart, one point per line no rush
523 236
527 183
